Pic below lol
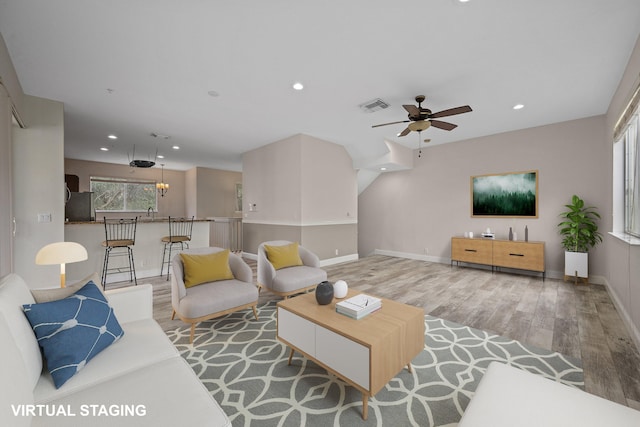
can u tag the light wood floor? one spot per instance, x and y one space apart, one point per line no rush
579 321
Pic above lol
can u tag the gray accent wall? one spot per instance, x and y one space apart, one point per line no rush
323 240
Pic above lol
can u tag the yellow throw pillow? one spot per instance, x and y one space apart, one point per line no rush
199 269
283 256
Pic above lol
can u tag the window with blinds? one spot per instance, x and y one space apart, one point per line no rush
626 163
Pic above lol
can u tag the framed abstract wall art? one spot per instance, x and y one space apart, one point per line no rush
513 194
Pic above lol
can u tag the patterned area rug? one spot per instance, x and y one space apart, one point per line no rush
245 368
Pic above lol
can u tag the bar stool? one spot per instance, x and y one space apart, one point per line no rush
120 236
179 234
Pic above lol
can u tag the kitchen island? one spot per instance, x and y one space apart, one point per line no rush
147 251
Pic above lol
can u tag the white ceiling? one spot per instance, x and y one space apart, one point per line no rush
561 59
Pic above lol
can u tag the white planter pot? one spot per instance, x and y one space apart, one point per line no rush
576 264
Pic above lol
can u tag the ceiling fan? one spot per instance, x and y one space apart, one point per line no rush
421 118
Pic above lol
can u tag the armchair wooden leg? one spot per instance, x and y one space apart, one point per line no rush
255 312
290 357
173 315
193 330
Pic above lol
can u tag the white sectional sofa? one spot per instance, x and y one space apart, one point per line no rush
508 397
140 380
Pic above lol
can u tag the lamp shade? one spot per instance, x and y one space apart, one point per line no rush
61 253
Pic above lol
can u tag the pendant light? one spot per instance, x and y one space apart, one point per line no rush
162 186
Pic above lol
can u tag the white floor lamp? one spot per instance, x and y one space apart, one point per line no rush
61 253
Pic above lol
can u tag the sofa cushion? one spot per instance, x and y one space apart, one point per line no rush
142 344
14 292
165 393
283 256
71 331
217 296
507 396
54 294
199 269
294 278
15 389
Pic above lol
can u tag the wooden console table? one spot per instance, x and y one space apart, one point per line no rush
499 253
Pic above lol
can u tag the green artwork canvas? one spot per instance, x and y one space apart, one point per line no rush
505 195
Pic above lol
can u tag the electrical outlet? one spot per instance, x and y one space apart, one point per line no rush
44 217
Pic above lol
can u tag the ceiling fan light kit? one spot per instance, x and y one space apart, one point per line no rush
422 118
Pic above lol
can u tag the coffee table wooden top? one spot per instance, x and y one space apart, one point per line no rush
371 330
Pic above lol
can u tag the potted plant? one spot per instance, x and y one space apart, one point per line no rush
579 232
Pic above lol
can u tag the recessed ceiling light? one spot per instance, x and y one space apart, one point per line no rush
463 1
104 149
112 136
160 156
383 169
518 107
298 86
175 147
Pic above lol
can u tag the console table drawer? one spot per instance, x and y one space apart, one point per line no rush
521 255
471 250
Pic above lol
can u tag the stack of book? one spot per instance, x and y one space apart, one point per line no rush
359 306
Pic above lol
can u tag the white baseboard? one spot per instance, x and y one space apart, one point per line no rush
633 330
409 255
338 260
552 274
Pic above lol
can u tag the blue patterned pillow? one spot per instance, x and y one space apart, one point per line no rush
71 331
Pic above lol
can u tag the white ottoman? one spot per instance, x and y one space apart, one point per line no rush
508 397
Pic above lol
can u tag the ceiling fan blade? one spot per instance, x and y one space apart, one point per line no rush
443 125
412 110
451 112
392 123
405 132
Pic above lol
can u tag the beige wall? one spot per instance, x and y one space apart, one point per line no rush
623 259
172 204
216 193
198 192
10 101
10 81
271 181
6 184
38 177
416 212
328 182
304 189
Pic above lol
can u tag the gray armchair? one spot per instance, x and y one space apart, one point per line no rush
213 299
290 280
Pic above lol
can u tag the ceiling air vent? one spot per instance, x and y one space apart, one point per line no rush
373 105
